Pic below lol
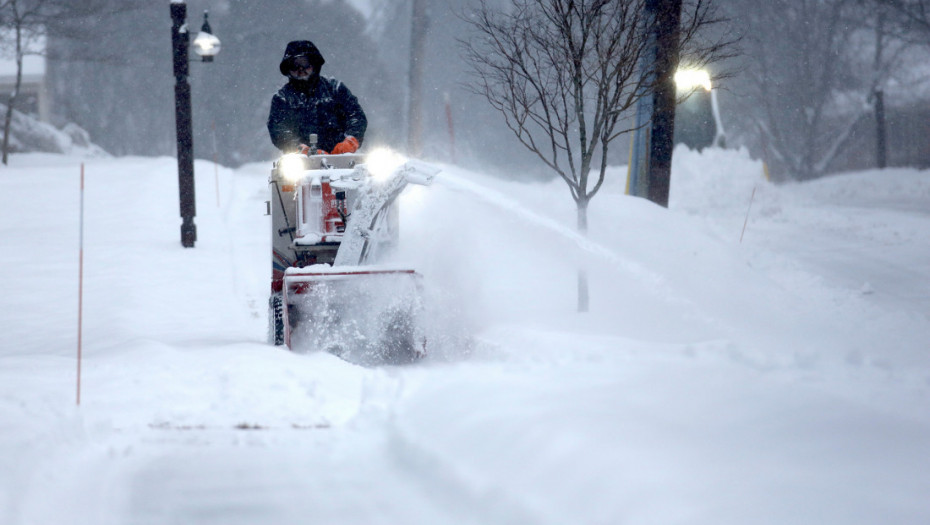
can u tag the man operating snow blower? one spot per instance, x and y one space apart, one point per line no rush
334 218
313 104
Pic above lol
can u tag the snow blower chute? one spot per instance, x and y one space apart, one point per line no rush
333 219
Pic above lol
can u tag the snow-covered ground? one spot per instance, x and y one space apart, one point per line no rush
781 379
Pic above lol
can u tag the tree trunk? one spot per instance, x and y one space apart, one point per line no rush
583 293
8 121
6 127
419 22
881 149
881 144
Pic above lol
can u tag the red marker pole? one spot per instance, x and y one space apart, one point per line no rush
751 197
80 289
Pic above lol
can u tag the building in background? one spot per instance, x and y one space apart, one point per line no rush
33 96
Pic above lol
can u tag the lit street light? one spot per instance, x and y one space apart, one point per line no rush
206 45
693 115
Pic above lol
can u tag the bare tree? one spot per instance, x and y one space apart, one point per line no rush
563 73
883 39
27 23
899 27
815 70
911 17
23 19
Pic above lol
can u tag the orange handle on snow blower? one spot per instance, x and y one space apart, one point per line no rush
349 145
304 149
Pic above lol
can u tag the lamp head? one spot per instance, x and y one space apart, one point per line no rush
206 44
689 79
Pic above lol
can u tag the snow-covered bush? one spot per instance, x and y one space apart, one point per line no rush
28 134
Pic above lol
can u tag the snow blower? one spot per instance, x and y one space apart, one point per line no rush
334 218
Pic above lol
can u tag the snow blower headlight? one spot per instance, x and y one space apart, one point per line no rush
382 162
292 166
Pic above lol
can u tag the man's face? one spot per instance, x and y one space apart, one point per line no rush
301 68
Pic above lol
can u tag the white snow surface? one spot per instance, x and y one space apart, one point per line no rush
784 378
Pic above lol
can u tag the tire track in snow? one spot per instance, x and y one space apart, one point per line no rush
472 498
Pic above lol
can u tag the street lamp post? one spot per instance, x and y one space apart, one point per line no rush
206 45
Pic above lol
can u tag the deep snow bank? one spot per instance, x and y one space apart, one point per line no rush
713 382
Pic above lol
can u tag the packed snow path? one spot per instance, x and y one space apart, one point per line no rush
782 380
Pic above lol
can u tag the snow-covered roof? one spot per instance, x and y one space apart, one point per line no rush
33 63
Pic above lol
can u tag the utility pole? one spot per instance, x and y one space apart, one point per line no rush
668 21
651 158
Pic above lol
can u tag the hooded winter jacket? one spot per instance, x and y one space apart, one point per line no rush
320 105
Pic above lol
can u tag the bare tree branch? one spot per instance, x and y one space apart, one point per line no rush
563 72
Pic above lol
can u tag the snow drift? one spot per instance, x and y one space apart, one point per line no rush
779 379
